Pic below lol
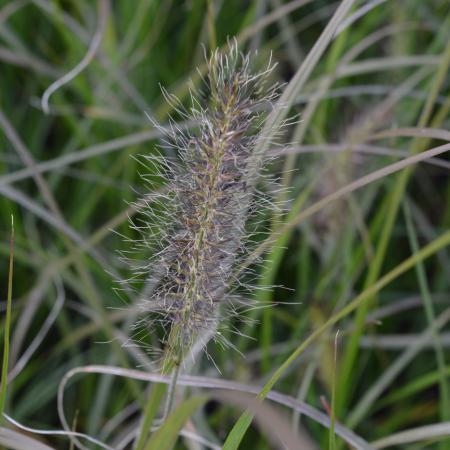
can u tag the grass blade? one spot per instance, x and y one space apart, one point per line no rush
166 436
415 435
4 379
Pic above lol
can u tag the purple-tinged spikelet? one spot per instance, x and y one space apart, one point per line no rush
199 221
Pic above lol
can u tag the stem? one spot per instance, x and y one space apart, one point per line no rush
171 391
157 396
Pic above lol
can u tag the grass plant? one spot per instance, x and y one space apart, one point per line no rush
223 331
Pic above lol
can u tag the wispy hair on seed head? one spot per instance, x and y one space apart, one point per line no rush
196 224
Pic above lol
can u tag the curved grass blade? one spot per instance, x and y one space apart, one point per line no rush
351 438
17 441
437 430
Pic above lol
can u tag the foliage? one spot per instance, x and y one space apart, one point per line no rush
360 245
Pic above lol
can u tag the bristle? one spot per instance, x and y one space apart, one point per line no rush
206 202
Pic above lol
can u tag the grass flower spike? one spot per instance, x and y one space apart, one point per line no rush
207 201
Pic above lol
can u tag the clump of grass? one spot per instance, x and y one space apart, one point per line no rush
198 224
375 61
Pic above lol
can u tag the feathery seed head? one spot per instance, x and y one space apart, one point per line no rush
206 202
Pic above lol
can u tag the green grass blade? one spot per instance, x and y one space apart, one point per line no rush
166 436
4 379
156 397
416 385
332 436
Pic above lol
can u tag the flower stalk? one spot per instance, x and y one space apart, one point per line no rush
208 199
